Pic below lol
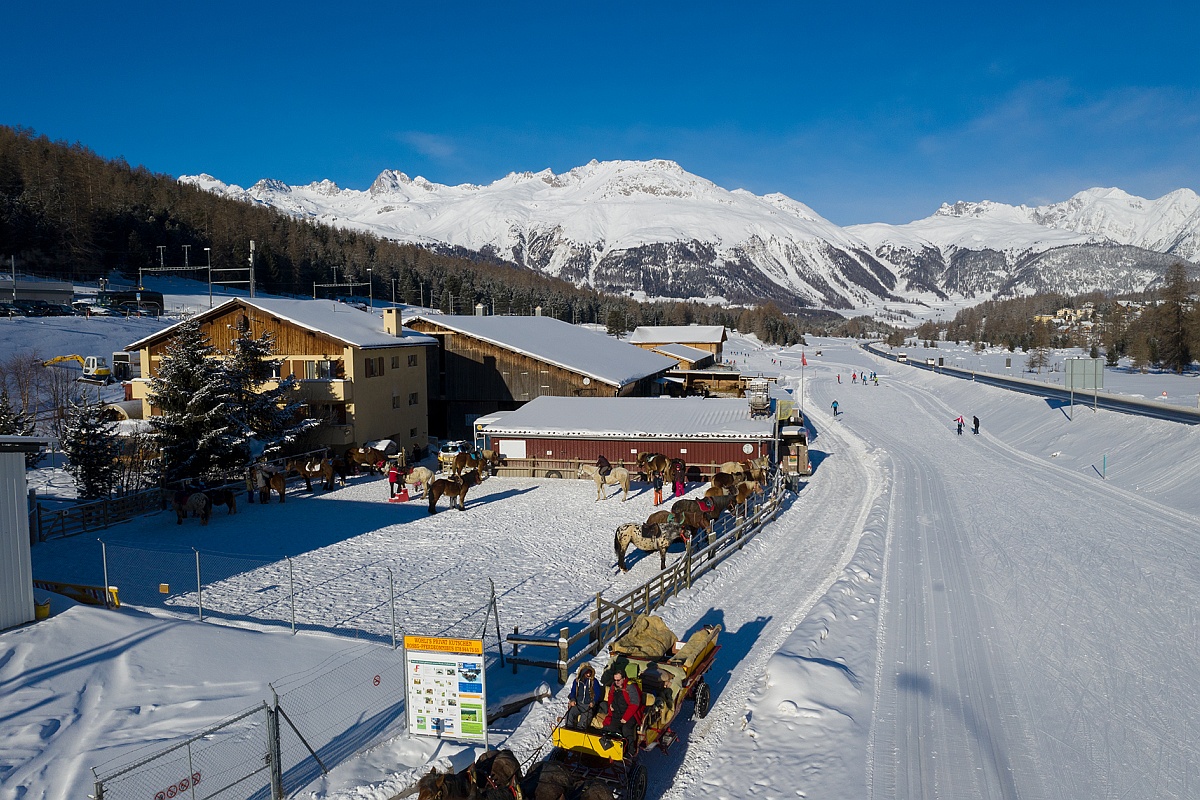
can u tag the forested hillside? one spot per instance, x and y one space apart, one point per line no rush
66 212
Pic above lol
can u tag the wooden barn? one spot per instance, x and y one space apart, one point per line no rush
552 436
363 376
485 364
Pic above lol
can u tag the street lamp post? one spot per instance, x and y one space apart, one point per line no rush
208 250
393 292
371 289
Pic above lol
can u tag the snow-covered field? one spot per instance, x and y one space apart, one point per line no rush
931 616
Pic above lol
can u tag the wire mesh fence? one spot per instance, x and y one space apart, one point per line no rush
226 761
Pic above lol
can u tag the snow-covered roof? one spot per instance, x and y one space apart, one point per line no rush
562 344
680 334
682 351
628 417
349 325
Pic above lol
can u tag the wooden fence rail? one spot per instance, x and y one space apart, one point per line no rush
611 618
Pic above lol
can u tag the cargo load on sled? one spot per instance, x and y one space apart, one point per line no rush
668 673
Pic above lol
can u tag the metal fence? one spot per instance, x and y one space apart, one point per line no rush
279 746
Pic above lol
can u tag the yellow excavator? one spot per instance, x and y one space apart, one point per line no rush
95 368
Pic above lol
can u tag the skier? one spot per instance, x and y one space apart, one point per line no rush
839 377
975 421
834 406
960 422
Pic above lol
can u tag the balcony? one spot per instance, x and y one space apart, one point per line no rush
316 392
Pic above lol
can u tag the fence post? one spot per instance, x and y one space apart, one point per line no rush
104 563
392 601
274 759
292 593
516 631
199 596
563 635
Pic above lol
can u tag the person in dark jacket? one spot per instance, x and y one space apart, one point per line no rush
586 694
658 486
679 476
624 708
975 422
603 466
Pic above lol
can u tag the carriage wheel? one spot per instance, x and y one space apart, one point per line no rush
637 785
702 698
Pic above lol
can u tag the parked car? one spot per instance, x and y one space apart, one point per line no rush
9 310
449 450
33 308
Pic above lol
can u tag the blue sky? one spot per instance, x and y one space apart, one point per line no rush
867 112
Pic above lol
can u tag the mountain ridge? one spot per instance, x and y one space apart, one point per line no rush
650 228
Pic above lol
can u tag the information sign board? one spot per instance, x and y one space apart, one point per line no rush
446 688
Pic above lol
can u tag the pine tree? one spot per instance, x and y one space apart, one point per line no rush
1173 320
192 430
14 422
262 420
91 446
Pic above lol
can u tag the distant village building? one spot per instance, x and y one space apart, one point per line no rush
364 377
485 364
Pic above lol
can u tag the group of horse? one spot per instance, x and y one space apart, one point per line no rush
497 775
199 502
732 485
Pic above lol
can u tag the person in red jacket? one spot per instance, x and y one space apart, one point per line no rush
624 709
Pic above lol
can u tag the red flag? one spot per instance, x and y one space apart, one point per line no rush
803 360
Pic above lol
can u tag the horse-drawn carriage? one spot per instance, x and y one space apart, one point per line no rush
668 673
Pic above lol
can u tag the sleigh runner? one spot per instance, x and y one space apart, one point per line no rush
668 673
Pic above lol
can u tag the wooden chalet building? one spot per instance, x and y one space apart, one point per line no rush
552 436
363 376
485 364
709 338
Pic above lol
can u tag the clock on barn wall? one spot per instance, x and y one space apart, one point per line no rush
587 381
747 448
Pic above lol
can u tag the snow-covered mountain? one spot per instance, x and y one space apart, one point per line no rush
650 227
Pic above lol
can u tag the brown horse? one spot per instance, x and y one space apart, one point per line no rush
497 769
195 503
724 481
367 457
223 497
548 780
454 488
481 460
695 516
315 468
264 478
649 464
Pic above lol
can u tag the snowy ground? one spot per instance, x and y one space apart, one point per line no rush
932 616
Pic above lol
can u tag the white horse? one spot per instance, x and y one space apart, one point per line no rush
420 476
618 477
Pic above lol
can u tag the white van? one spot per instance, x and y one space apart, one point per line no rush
902 357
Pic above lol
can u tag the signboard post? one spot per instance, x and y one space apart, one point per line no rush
446 688
1084 373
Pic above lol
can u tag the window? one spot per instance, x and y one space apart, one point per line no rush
396 362
396 401
412 360
412 433
374 367
318 370
412 399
